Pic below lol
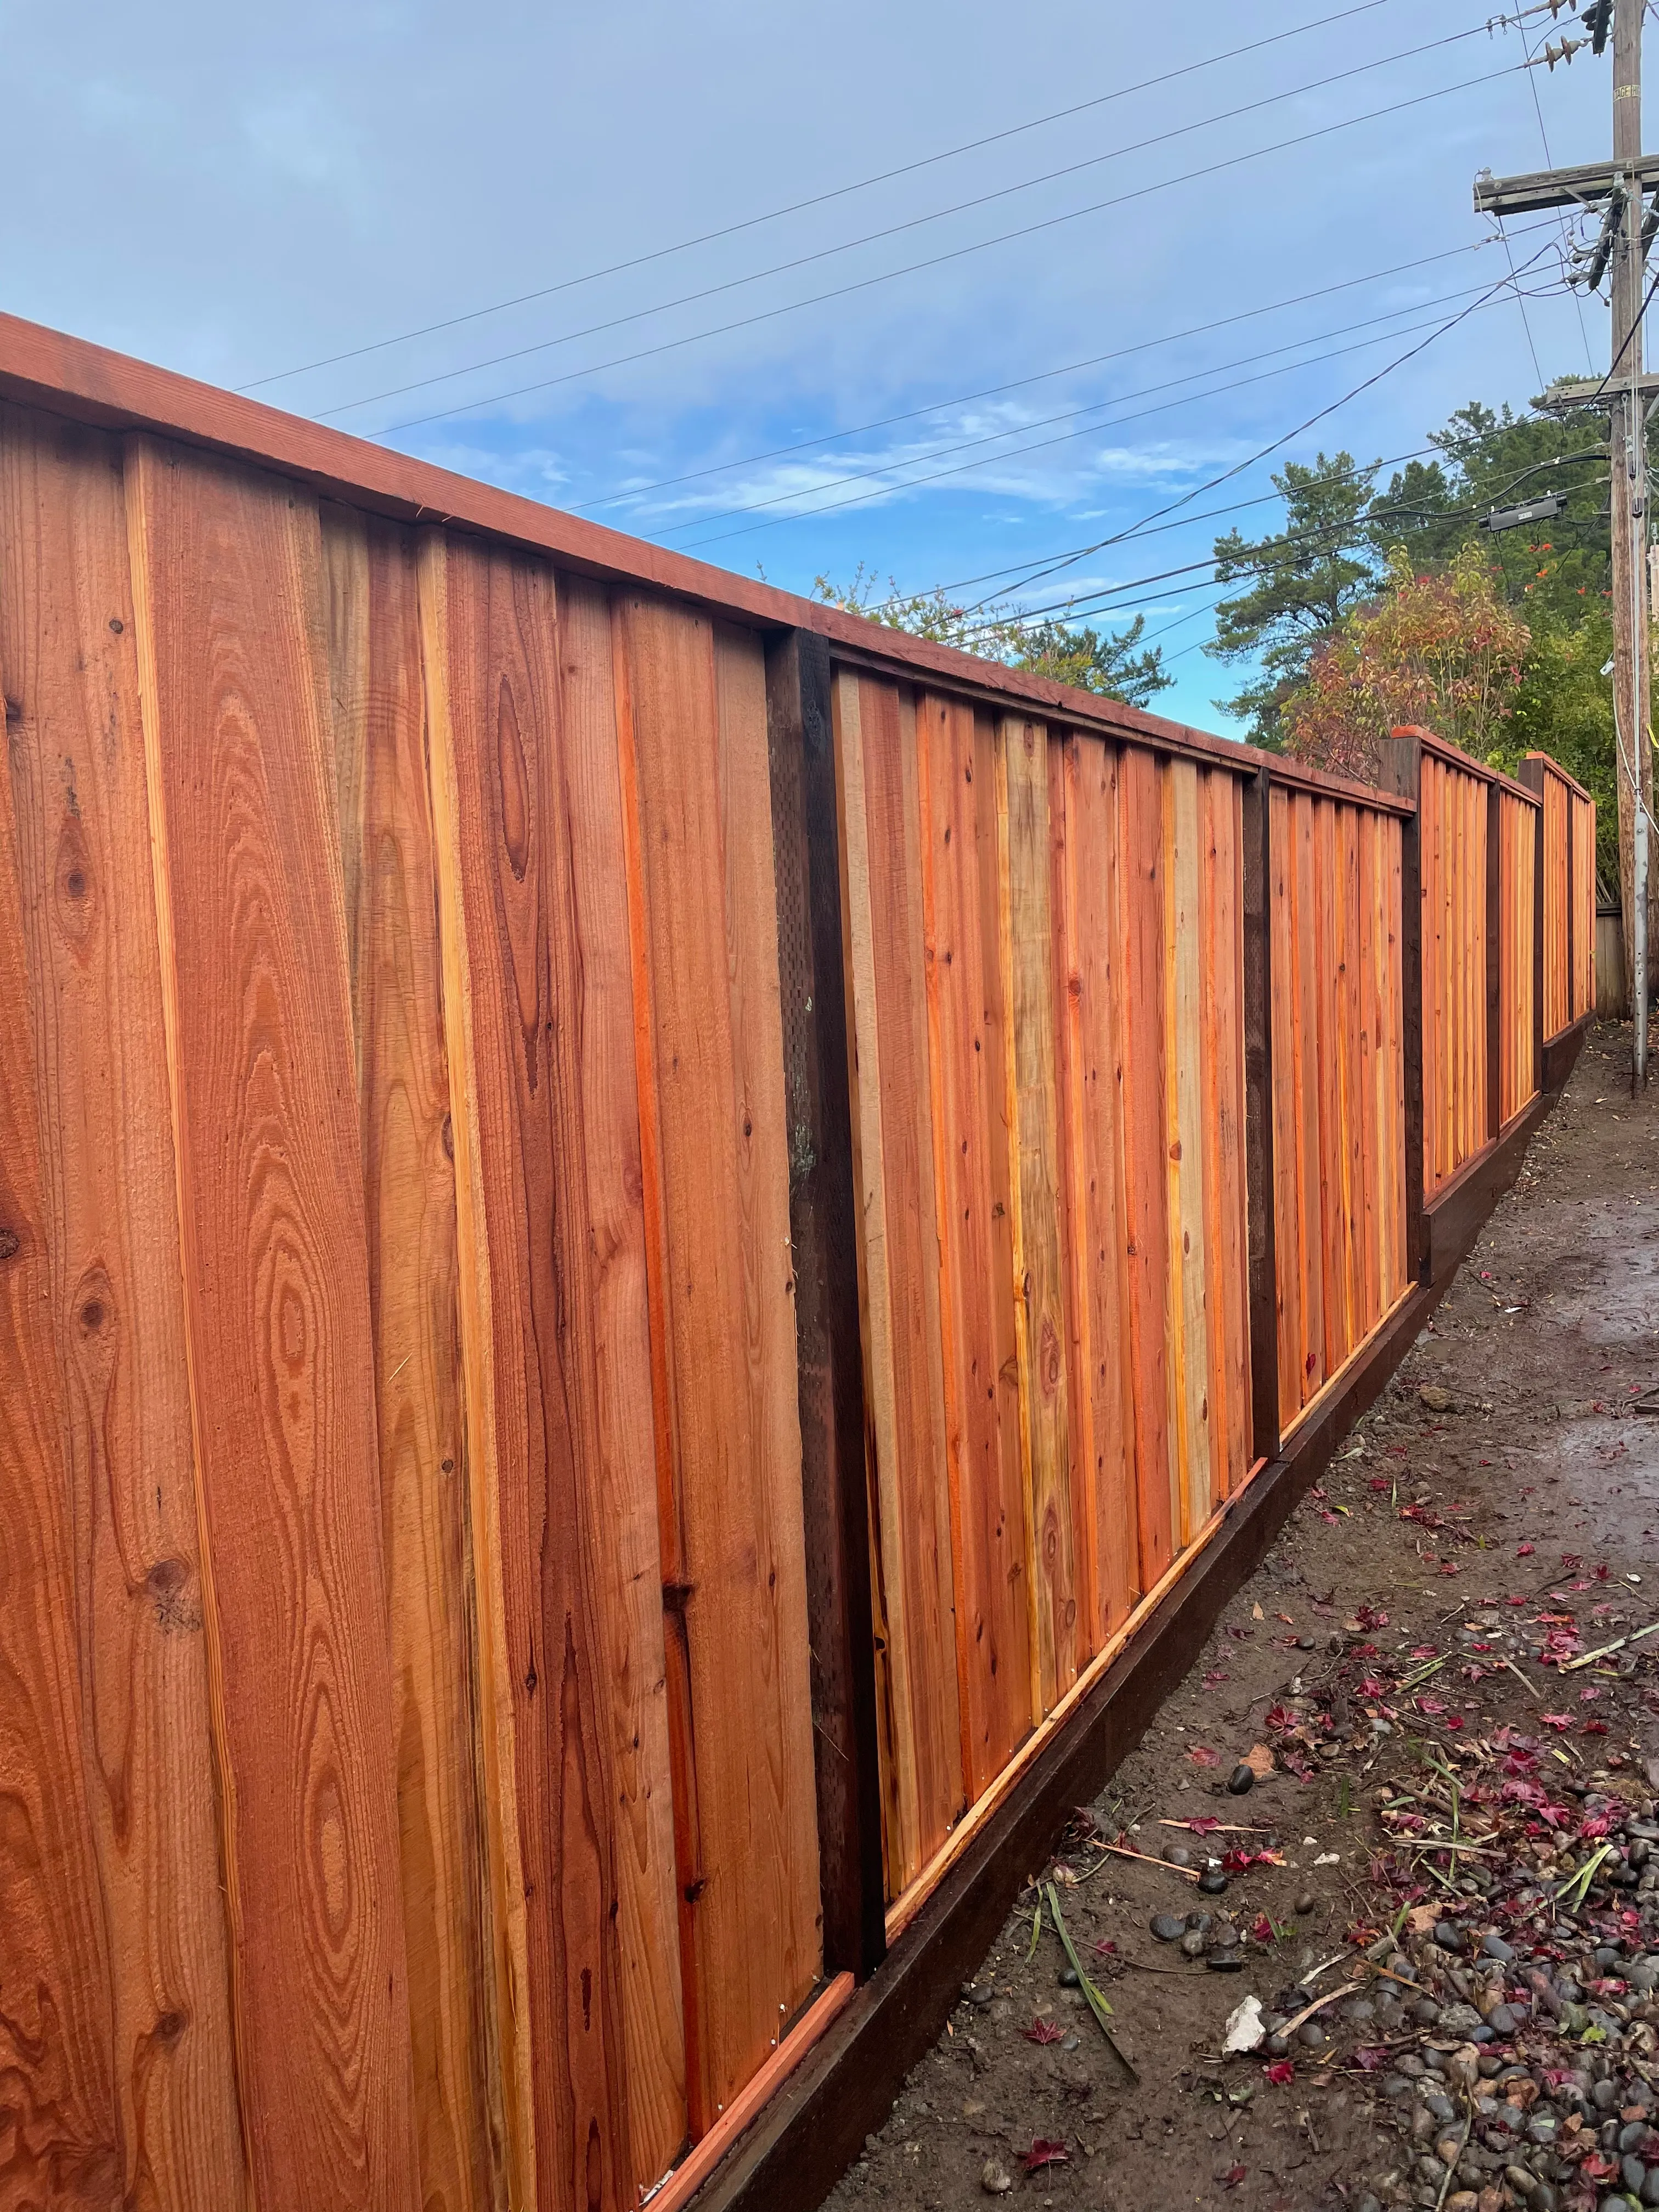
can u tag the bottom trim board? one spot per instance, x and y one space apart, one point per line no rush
814 2124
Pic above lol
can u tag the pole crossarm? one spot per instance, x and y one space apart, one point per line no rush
1586 390
1582 186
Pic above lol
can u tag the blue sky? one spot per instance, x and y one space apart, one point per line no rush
1200 257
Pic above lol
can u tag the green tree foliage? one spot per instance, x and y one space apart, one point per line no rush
1296 584
1113 662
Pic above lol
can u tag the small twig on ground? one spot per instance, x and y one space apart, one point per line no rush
1122 1851
1522 1680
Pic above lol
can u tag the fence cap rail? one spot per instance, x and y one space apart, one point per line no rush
1553 767
71 377
1466 763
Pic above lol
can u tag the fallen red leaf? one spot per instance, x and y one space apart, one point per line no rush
1043 2153
1043 2031
1525 1551
1201 1755
1205 1825
1281 2072
1233 2176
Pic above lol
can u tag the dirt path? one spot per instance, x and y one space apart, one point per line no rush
1499 1502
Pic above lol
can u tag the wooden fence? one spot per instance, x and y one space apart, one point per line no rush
641 1226
1567 895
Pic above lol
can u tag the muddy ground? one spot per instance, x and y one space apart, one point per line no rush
1503 1494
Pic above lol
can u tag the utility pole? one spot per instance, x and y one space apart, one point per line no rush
1624 393
1629 475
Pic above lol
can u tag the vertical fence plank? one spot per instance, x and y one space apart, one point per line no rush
1039 1267
110 1219
813 993
894 1129
1496 913
1093 1067
227 573
1141 867
1185 946
625 1510
64 2129
1261 831
1403 770
696 709
390 877
972 1165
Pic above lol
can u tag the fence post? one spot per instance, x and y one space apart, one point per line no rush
823 1227
1532 774
1401 773
1495 888
1259 1114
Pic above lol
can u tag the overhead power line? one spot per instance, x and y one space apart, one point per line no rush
895 229
936 260
816 199
1296 431
1040 376
1040 445
1098 601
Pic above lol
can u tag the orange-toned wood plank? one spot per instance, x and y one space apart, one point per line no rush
1287 1216
68 666
1333 1163
973 1196
1073 1201
532 856
1310 1179
389 872
1146 1145
1186 951
696 711
1396 1053
1092 1061
1224 1232
1043 1327
895 831
227 575
901 1818
626 1503
1368 1003
65 2137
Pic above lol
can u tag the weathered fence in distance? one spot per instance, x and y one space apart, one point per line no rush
661 1252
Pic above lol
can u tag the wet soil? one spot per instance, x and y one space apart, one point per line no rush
1504 1480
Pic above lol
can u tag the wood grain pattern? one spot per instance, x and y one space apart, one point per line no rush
1227 1287
63 2139
876 737
534 875
1042 1328
1090 981
389 872
227 573
733 1550
111 1222
1338 1084
1142 866
1185 952
961 906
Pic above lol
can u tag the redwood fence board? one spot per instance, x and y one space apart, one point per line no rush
648 1233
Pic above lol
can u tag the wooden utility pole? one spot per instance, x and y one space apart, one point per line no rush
1630 621
1624 392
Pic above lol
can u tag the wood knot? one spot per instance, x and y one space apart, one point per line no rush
10 1244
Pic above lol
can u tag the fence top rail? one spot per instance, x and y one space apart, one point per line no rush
1300 775
1467 764
70 377
1553 767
